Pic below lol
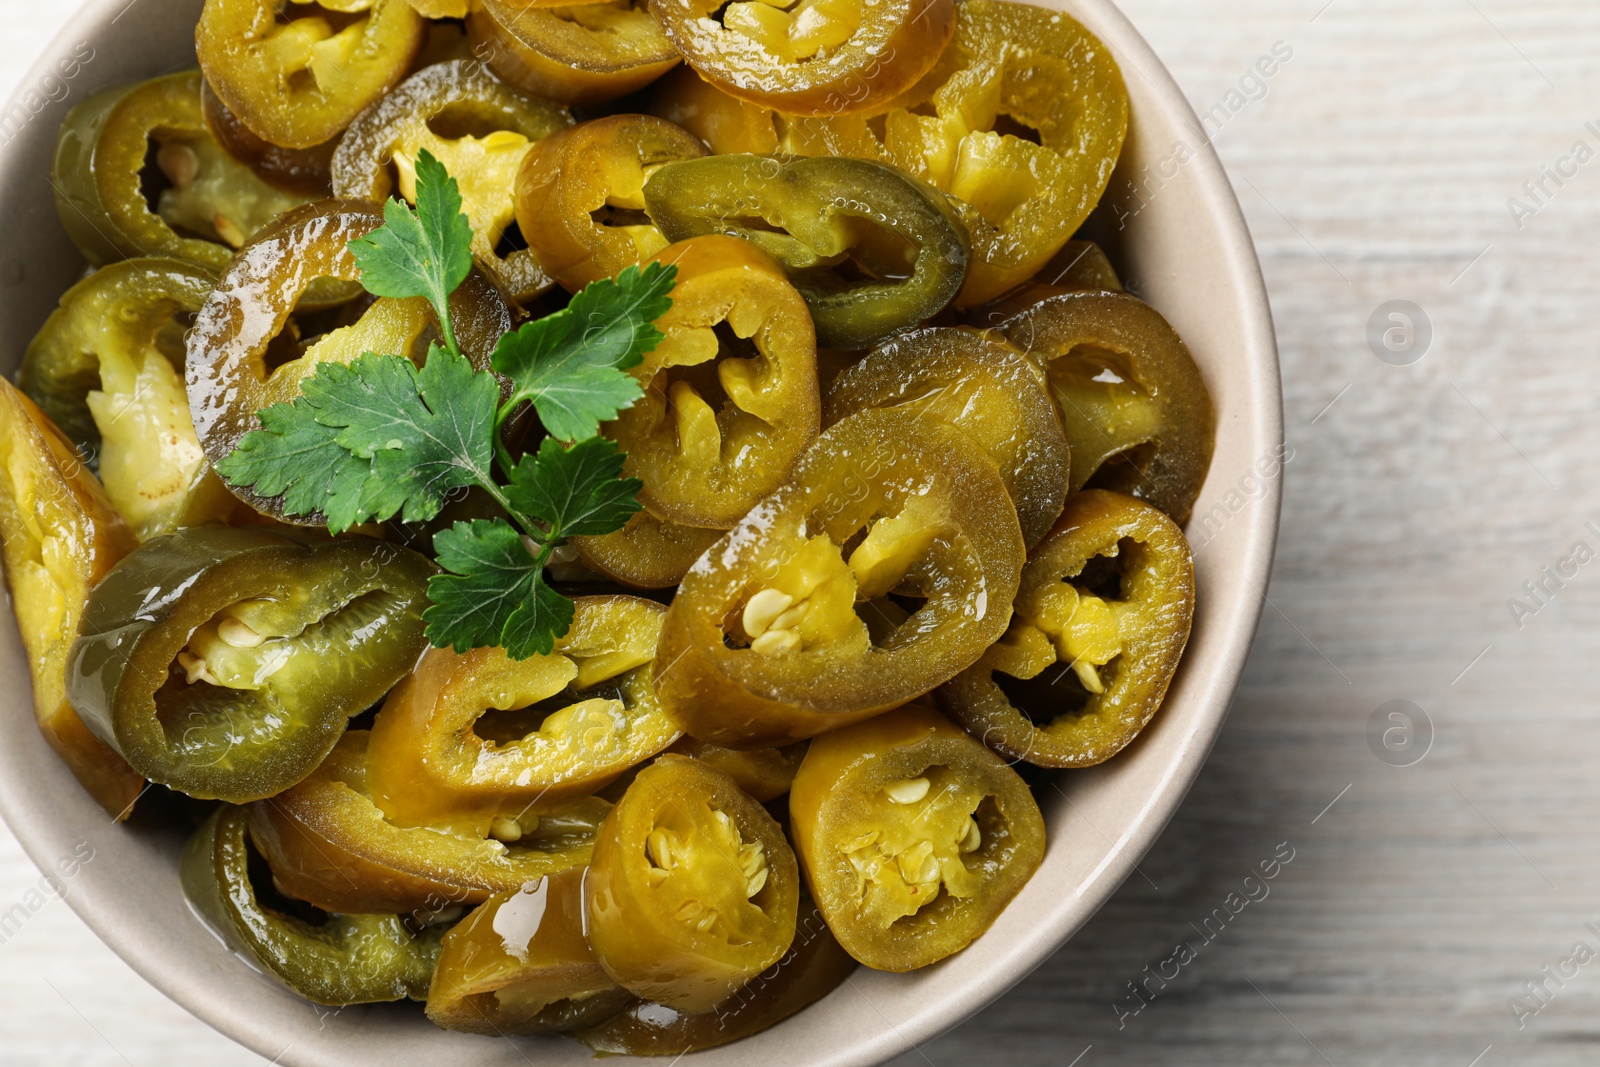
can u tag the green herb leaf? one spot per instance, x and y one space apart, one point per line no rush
407 438
571 364
296 457
493 594
577 491
427 252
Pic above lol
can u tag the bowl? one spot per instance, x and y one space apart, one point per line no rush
1171 224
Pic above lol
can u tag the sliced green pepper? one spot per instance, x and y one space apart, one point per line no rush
1132 401
693 889
814 966
60 536
914 837
520 964
225 662
831 222
480 128
348 959
107 367
988 391
298 82
329 844
211 204
468 739
1109 596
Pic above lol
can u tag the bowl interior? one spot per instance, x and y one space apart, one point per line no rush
1173 228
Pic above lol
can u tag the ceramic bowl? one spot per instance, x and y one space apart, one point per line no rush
1172 226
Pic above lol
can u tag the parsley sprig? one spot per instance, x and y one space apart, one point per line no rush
378 438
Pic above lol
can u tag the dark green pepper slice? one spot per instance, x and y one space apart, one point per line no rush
348 959
211 202
225 662
480 128
871 249
814 966
1099 626
1132 401
693 889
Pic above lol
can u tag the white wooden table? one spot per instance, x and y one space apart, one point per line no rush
1374 166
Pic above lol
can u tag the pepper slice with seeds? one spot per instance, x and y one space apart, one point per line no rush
693 889
1100 625
296 73
209 206
226 662
913 836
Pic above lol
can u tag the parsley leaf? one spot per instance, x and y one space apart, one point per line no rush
577 491
427 252
571 364
296 457
493 593
373 439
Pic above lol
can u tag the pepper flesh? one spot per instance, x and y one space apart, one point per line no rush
102 367
520 964
764 644
487 128
226 369
647 553
578 718
60 536
225 662
211 204
328 843
1079 265
1122 648
729 125
870 249
299 82
585 53
810 57
731 393
984 388
813 967
693 889
1132 401
913 836
580 195
349 959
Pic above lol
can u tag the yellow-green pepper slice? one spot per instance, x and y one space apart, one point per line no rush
1100 624
693 889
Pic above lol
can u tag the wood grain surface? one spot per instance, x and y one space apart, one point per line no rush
1430 914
